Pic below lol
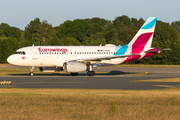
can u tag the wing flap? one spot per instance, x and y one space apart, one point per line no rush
102 58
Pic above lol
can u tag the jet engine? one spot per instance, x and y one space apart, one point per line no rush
75 67
50 69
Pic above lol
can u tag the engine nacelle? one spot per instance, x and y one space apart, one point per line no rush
50 69
75 67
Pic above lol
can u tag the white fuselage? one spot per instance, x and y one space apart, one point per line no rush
56 55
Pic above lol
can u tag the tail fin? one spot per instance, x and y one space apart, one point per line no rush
143 39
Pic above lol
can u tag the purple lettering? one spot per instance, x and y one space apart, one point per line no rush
39 49
53 50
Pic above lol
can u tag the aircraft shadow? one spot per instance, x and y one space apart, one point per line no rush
113 72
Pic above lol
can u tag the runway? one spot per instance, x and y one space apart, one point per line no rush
97 81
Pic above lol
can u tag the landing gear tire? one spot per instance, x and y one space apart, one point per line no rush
31 74
91 73
74 74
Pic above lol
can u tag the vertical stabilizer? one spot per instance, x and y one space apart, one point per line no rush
143 39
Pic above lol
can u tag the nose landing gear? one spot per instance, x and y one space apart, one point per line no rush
31 72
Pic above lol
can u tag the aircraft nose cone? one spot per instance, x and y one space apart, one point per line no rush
10 60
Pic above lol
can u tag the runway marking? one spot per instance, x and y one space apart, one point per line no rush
171 80
168 86
7 86
42 82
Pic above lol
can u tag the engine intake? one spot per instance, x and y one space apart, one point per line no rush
75 67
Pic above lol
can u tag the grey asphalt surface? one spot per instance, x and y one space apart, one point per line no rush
120 81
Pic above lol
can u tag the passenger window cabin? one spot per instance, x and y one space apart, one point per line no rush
117 53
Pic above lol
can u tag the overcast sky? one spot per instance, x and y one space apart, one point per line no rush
19 13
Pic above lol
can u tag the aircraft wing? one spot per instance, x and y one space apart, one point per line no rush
102 58
151 51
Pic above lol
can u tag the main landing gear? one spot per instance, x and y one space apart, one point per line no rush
74 74
91 73
31 72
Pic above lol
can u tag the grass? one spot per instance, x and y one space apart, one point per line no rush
159 80
146 65
5 64
22 71
18 71
80 104
8 71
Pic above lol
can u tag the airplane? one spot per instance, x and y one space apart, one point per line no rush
74 59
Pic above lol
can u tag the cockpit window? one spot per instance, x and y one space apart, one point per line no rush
20 52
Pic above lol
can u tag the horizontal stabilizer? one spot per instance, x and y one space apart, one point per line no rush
152 51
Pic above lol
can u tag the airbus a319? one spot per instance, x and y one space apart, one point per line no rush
74 59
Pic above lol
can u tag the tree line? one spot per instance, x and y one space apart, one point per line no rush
94 31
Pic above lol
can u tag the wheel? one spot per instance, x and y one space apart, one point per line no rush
91 73
74 74
88 72
31 74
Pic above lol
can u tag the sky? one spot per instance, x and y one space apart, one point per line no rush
19 13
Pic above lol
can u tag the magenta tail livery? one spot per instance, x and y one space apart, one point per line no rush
76 59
